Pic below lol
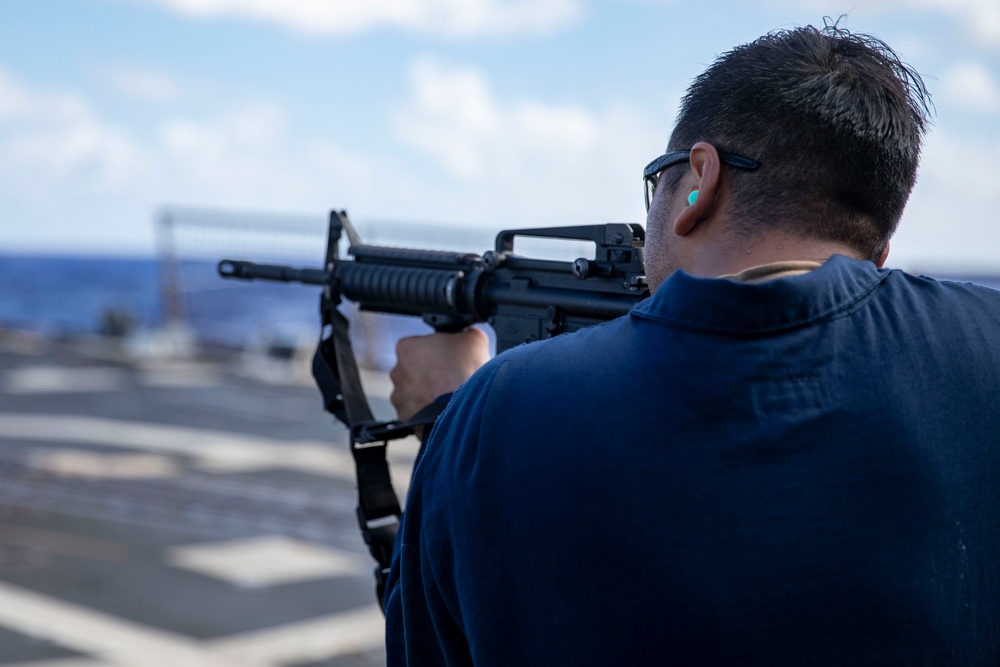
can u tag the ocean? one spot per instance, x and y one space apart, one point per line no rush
74 296
66 297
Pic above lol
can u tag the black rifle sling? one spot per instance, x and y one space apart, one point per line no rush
335 369
336 373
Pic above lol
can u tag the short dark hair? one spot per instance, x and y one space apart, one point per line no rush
836 120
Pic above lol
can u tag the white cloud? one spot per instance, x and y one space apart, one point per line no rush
455 114
461 18
250 158
71 179
541 163
58 133
971 85
19 103
143 84
979 18
949 217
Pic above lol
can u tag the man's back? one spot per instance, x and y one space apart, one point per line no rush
802 471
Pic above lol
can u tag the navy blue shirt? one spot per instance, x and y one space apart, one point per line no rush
800 471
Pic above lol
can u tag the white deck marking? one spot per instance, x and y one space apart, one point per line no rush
62 379
269 560
218 451
118 642
93 465
59 662
312 640
213 451
111 639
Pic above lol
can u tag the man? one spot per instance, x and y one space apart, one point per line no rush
786 455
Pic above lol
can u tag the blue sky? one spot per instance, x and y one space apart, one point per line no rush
483 113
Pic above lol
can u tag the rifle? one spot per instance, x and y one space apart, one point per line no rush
523 300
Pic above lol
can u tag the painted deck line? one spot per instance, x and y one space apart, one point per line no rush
113 640
312 640
119 642
213 451
60 662
218 451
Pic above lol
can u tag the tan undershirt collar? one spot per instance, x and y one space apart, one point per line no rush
764 272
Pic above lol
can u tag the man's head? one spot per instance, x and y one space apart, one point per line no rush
835 120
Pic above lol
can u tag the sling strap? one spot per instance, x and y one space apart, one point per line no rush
336 372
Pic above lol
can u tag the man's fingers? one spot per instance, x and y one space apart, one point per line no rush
432 365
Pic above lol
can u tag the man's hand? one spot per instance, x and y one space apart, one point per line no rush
432 365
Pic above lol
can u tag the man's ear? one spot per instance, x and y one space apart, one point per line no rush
706 180
884 256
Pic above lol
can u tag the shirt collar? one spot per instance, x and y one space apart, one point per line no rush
724 305
758 274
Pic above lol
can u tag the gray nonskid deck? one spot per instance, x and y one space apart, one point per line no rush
177 514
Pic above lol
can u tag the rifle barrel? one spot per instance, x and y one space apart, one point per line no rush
229 268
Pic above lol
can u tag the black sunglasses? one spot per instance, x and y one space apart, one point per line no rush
651 174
